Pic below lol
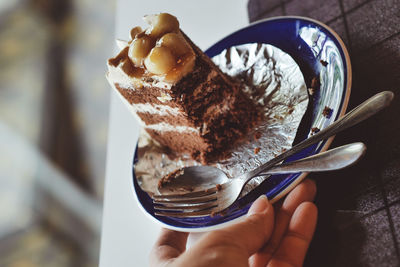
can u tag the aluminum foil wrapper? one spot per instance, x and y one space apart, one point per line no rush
271 78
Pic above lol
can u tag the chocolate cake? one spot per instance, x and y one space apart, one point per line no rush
179 95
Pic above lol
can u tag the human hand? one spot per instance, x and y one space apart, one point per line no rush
261 239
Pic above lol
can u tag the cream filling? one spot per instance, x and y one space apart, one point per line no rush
164 97
165 127
156 109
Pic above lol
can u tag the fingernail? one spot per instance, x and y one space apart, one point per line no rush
259 206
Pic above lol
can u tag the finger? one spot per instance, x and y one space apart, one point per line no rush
255 230
170 245
294 245
305 191
233 245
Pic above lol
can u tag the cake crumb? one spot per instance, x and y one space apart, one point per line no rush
256 150
315 83
219 213
327 112
314 130
169 177
324 63
257 135
189 188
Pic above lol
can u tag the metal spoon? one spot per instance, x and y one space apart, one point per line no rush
198 178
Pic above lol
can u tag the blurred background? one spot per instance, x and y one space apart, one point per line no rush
53 132
53 129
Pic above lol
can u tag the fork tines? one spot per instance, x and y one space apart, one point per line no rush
193 204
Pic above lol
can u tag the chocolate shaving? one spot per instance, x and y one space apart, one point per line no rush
315 83
315 130
257 135
327 112
324 63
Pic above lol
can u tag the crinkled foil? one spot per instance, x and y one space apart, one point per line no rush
271 78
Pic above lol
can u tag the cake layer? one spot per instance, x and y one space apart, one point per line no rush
146 95
180 142
173 120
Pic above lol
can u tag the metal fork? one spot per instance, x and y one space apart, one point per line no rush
219 198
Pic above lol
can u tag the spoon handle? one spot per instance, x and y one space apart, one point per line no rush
333 159
358 114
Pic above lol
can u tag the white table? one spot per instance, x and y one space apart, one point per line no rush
128 235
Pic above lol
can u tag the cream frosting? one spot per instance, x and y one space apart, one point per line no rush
165 127
117 75
156 109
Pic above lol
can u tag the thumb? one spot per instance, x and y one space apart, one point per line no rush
170 245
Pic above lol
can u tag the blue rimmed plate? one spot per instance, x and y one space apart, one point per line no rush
322 56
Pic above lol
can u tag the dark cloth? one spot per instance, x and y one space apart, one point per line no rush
359 208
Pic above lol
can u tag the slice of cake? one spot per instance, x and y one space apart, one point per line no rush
179 95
